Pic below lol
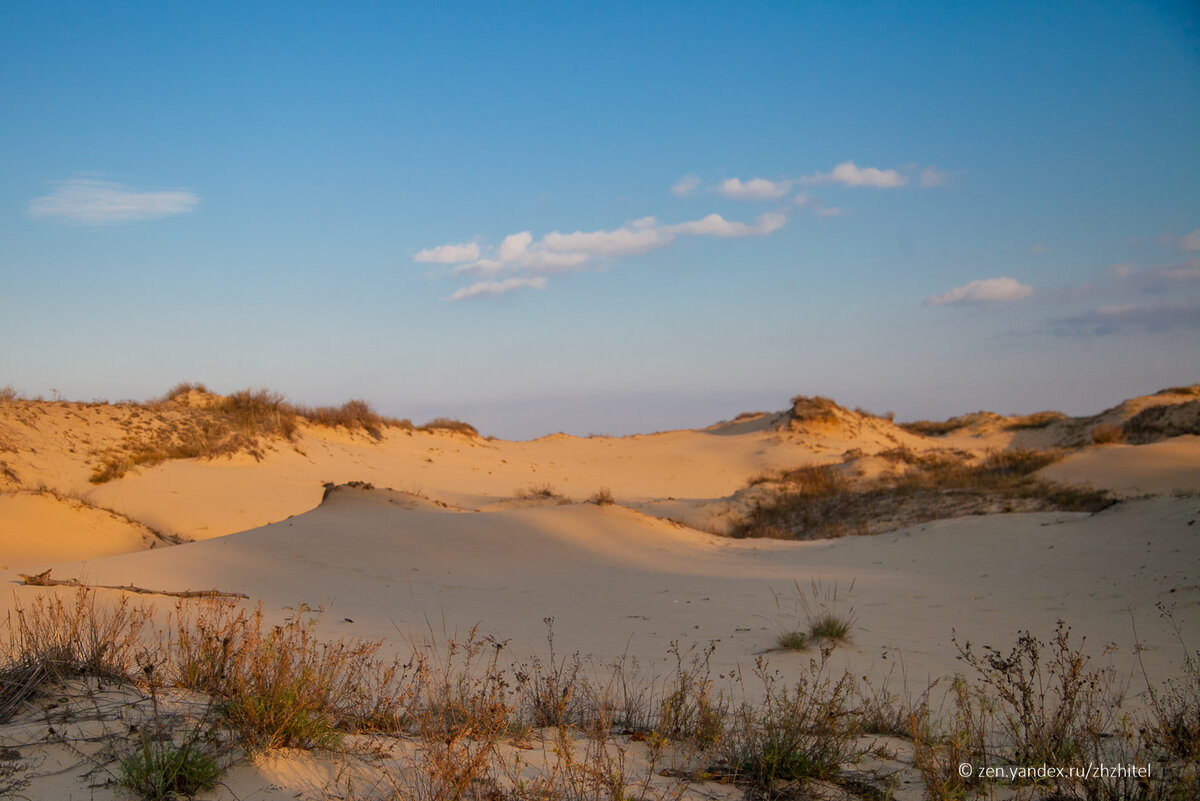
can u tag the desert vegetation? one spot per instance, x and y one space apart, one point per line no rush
189 422
825 501
217 684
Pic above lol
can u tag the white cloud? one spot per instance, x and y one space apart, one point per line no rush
850 174
987 290
1037 248
528 261
85 201
716 225
932 176
817 206
686 185
490 289
1190 241
754 189
449 254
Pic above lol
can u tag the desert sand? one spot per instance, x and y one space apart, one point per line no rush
444 531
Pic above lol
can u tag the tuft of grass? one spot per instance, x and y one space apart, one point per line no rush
792 641
602 497
448 424
822 609
541 492
161 769
1107 434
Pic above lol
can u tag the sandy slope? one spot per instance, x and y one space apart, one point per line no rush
614 579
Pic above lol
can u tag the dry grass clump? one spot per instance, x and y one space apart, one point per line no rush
60 637
823 612
1160 422
448 424
1192 389
182 389
1036 420
821 501
796 733
352 415
1107 434
278 686
815 409
541 492
602 497
933 428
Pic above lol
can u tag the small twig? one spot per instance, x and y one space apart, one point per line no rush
43 580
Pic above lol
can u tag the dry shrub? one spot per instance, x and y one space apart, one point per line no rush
938 750
796 732
278 686
1107 434
822 502
1048 700
466 709
692 711
552 690
60 636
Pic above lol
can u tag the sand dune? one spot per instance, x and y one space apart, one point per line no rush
443 540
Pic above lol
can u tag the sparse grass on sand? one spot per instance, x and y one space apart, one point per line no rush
541 492
822 501
461 705
189 423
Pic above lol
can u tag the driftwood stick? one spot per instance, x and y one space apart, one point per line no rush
43 580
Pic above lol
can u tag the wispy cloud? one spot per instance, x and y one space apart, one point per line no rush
932 176
850 174
84 201
816 205
1190 241
987 290
448 254
490 289
754 189
1118 318
686 185
527 262
1037 248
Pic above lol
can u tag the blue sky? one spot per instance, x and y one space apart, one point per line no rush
611 219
